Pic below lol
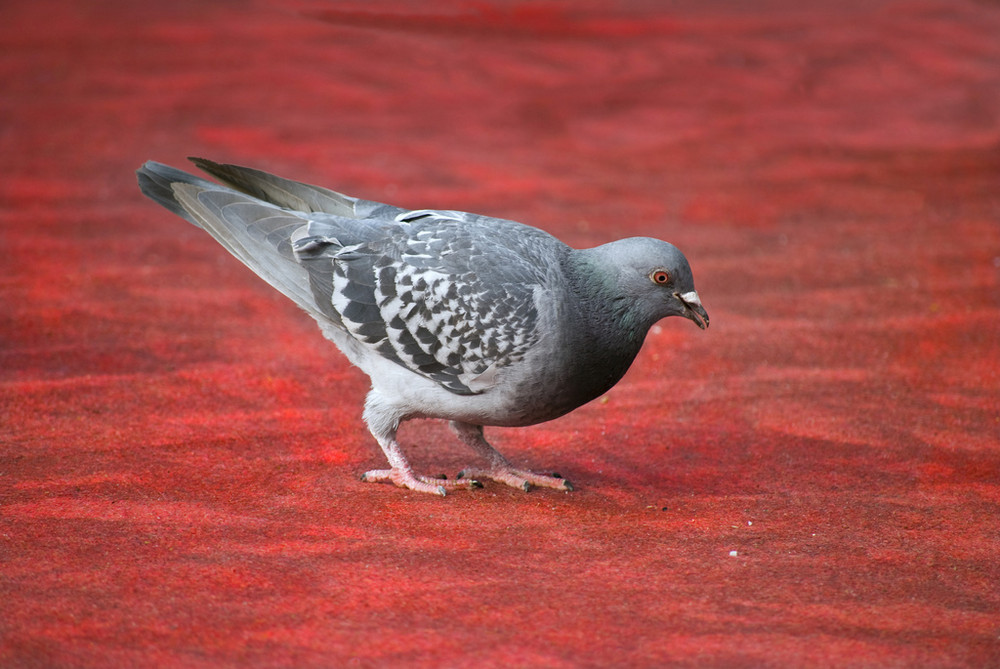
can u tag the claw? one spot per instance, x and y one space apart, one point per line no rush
473 483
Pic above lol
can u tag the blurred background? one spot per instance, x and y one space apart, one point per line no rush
814 480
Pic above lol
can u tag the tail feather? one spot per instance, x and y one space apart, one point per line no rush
156 182
256 233
285 193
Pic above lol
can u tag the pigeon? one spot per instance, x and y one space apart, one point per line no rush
456 316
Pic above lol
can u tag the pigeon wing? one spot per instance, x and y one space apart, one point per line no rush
450 296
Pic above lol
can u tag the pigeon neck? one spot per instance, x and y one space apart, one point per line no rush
595 279
607 331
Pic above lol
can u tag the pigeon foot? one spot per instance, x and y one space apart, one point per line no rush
516 478
405 478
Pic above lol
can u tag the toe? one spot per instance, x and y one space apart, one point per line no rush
405 478
517 478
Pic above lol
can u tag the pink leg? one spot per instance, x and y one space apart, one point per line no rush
402 475
500 469
383 422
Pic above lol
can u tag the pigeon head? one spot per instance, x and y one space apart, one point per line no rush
646 279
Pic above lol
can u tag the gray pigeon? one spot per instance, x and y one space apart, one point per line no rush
467 318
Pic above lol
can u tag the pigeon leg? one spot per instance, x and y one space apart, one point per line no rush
500 469
383 419
402 475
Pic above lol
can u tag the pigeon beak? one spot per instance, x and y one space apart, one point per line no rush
693 309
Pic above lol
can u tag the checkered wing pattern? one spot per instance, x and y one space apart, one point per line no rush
450 296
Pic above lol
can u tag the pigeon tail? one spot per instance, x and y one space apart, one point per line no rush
256 233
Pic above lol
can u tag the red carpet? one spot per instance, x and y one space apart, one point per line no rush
814 481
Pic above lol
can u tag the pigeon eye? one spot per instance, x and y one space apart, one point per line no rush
660 277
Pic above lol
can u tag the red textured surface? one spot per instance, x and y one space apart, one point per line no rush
180 446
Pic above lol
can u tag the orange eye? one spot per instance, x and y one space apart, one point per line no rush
660 276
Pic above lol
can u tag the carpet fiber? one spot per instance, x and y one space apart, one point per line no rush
814 481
